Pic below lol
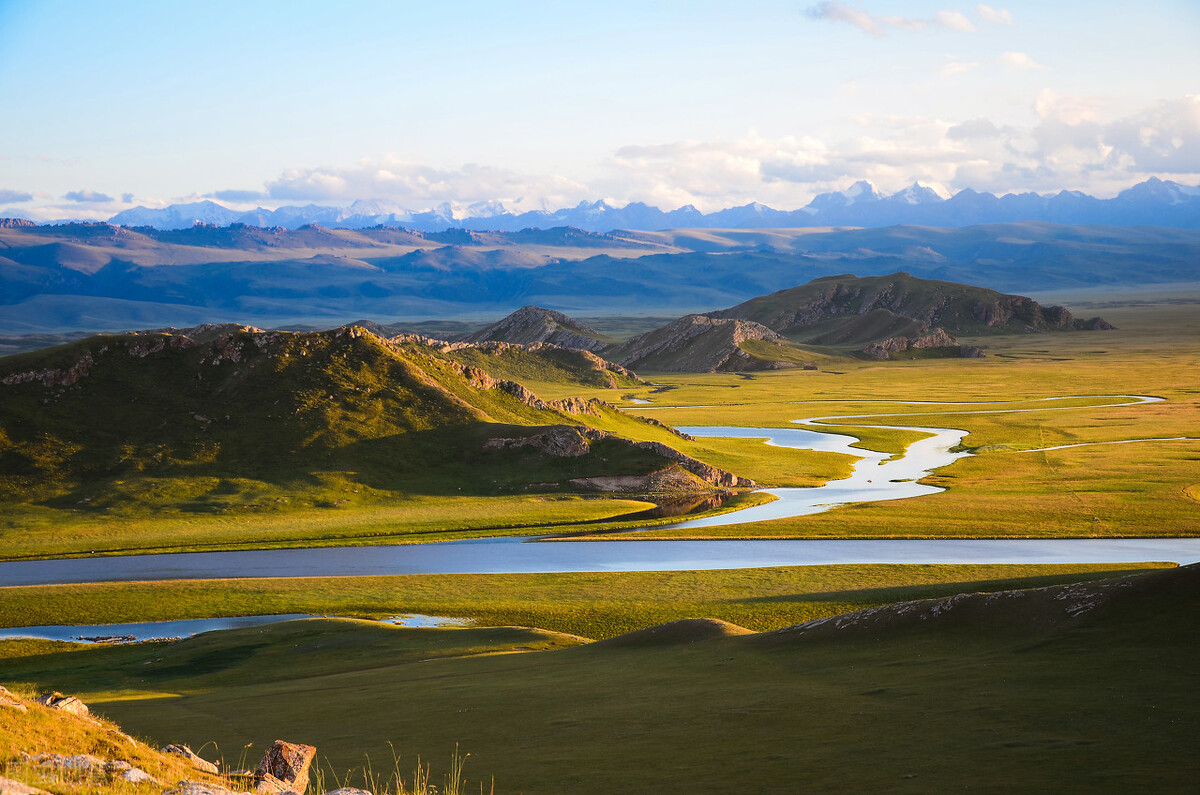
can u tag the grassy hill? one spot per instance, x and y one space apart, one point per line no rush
224 418
855 310
1086 686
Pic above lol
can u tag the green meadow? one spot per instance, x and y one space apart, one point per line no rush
593 605
1020 693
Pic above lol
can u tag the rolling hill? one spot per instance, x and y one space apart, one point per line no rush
531 324
849 309
204 419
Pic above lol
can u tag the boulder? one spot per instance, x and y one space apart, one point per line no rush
136 775
182 750
285 767
67 704
10 700
10 787
75 763
199 788
347 791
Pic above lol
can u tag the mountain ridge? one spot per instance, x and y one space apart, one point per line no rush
1153 202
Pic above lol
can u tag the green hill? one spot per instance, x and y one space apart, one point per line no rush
216 417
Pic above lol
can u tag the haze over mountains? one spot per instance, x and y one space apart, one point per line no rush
1154 202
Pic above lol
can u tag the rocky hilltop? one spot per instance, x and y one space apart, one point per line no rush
531 324
851 309
694 343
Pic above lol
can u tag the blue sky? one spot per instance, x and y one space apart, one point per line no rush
108 105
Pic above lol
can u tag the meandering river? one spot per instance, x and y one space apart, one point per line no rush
876 476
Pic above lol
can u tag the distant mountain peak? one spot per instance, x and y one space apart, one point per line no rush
922 193
1154 202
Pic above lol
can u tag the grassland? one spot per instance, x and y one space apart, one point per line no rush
1137 489
1019 694
594 605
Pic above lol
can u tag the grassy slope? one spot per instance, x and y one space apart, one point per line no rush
998 697
40 729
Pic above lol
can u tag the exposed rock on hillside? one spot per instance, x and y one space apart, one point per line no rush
694 343
187 753
284 768
531 324
569 441
67 704
936 341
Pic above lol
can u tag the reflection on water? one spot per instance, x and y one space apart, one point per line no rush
876 476
173 630
682 506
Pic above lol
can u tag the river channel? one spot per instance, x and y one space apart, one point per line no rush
876 476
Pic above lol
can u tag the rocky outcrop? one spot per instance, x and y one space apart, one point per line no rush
10 787
706 472
284 768
695 343
200 788
533 324
9 700
561 441
67 704
570 441
935 340
197 762
1094 324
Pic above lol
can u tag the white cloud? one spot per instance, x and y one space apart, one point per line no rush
11 196
1162 138
88 196
994 16
953 66
419 186
1019 61
1066 108
955 20
878 25
974 129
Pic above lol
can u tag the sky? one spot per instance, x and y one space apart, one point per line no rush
541 105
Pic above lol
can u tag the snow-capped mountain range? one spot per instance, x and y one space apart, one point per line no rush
1154 202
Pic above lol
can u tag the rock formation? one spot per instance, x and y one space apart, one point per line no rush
187 753
284 768
694 343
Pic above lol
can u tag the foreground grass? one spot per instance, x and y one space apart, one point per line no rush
593 605
987 699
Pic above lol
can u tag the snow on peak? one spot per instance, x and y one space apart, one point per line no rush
862 191
922 193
